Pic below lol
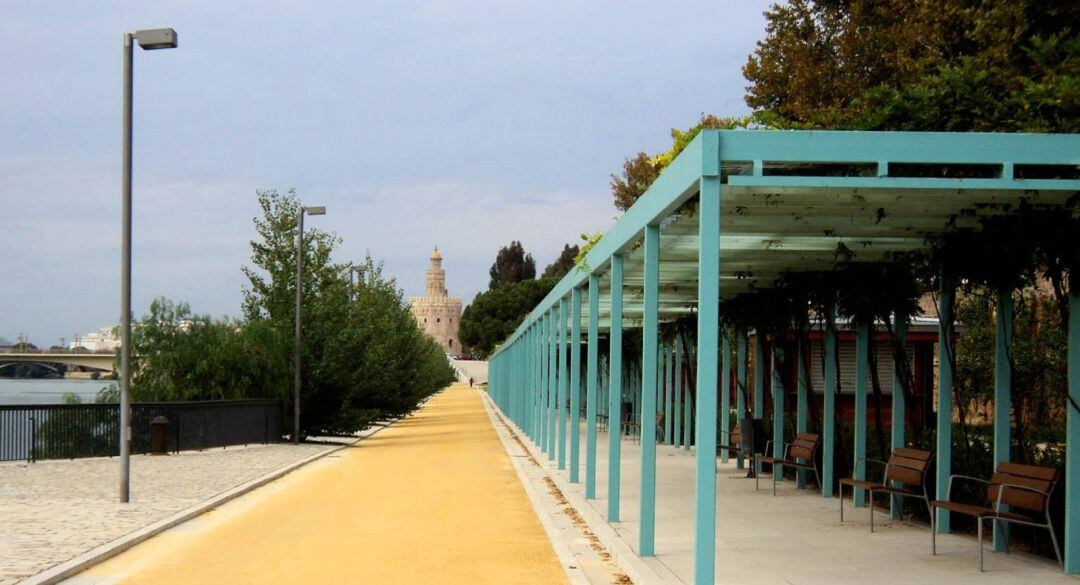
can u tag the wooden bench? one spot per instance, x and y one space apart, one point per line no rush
734 443
904 475
1025 489
659 428
805 446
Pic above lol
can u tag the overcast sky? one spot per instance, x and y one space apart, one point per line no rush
458 124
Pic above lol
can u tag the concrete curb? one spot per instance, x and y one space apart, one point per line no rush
639 570
72 567
574 573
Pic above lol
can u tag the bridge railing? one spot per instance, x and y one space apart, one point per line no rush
67 431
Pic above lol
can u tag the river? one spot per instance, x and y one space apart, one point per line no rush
47 391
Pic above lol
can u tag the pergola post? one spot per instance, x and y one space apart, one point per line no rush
650 329
802 408
669 394
590 398
660 361
560 408
740 383
778 409
828 415
677 410
899 407
725 390
542 349
615 366
553 386
944 410
575 382
862 374
1003 337
760 368
1072 432
708 328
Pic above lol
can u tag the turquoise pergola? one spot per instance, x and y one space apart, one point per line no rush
768 203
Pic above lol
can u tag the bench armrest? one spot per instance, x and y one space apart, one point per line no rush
948 494
864 460
1001 491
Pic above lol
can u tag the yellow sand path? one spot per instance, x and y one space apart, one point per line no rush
432 499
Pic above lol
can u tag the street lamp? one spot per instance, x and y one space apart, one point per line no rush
359 271
313 210
159 38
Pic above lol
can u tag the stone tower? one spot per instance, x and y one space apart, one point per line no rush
438 313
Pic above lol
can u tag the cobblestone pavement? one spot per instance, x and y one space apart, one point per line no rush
52 511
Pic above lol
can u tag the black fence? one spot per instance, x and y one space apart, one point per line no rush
66 431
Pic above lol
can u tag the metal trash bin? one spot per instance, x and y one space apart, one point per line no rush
159 435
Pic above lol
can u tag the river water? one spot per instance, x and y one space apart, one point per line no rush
47 391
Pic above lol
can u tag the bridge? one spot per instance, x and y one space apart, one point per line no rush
100 361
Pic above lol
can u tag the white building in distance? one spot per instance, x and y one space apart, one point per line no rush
104 339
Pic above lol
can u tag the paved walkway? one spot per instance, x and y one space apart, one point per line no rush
432 499
52 511
795 538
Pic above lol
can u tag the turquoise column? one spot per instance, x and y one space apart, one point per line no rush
828 418
530 385
899 409
708 349
541 348
553 384
615 392
862 374
1072 432
649 332
760 367
1002 395
725 391
778 409
590 399
944 412
740 381
689 409
564 338
676 411
575 382
669 394
802 407
660 380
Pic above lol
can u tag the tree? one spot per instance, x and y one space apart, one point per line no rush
511 265
495 314
563 264
641 170
953 65
364 356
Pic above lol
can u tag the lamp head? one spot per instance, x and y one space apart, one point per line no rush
315 210
156 38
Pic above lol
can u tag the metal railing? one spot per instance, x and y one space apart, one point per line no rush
67 431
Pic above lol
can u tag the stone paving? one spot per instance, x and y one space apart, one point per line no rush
52 511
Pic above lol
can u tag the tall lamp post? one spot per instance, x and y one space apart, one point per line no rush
158 38
313 210
359 272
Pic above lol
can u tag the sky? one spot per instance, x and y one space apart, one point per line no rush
459 124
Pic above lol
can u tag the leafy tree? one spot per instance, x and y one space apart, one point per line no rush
640 170
364 355
563 264
895 65
511 265
495 314
179 355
